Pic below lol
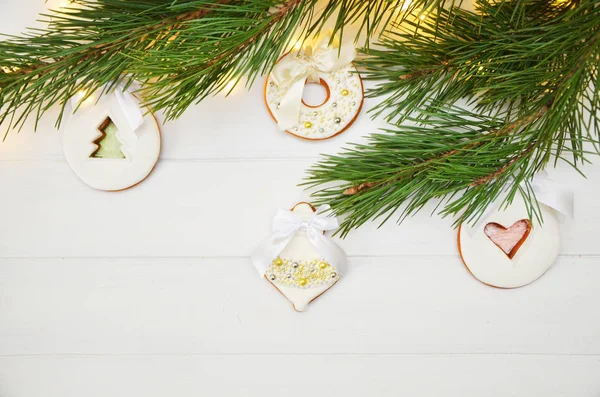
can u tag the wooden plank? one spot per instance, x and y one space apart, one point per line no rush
425 305
301 375
209 131
207 209
237 126
205 131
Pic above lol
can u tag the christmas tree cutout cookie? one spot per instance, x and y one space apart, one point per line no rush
108 144
298 259
111 143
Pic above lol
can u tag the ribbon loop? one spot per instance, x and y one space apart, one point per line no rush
553 194
547 192
285 226
131 109
306 65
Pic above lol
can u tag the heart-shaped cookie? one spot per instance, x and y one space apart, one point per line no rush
510 239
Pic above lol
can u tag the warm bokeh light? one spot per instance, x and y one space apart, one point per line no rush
79 97
229 86
405 5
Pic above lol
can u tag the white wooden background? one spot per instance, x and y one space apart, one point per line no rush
150 292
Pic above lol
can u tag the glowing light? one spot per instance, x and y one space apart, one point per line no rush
78 98
79 95
229 86
405 5
423 16
297 45
8 70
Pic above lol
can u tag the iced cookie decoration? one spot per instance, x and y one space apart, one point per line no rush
328 65
109 143
298 259
509 239
508 250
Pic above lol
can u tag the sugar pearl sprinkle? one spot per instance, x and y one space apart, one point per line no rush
302 274
327 120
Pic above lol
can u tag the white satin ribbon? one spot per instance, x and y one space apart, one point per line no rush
131 109
285 226
547 192
553 194
300 67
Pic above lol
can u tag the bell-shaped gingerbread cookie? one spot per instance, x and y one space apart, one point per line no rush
298 259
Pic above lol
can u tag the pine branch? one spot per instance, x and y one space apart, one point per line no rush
179 53
85 50
529 81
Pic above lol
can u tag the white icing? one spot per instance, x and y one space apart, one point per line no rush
141 148
301 249
322 118
301 297
489 264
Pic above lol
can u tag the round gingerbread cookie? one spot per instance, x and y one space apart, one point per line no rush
343 102
506 249
299 273
103 149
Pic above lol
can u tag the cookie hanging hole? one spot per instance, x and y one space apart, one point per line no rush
108 145
315 94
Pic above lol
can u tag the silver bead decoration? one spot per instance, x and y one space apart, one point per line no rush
324 121
301 273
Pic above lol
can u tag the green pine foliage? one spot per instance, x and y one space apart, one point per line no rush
180 52
477 104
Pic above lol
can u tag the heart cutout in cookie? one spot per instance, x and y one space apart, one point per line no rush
509 240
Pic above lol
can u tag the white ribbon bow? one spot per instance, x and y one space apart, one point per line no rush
300 67
547 192
131 109
285 226
553 194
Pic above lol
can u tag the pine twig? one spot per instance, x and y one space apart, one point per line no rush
179 53
529 70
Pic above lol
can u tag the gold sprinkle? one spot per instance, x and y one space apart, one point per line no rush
307 124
